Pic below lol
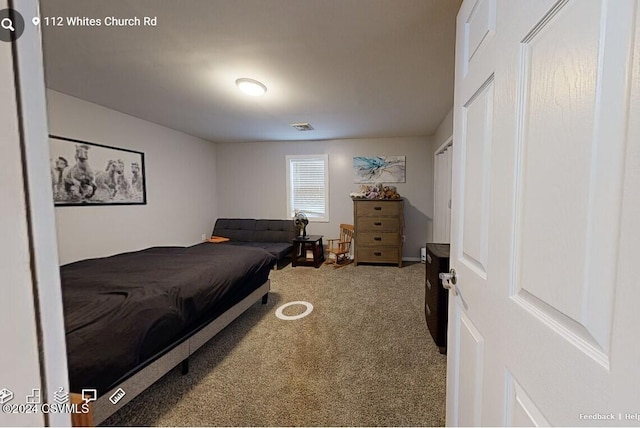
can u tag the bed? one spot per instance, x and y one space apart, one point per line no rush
132 317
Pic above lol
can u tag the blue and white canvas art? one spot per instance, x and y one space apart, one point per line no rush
379 169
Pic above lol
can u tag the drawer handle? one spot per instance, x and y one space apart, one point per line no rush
377 223
377 208
377 238
428 285
428 309
428 258
377 253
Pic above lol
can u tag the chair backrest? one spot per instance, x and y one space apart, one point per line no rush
346 232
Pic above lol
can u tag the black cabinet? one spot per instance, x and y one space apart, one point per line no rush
436 299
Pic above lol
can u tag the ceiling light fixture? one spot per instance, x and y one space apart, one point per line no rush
251 87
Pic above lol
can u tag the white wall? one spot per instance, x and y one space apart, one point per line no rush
180 177
252 181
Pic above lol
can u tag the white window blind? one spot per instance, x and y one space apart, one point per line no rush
308 186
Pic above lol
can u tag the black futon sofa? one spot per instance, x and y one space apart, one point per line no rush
275 236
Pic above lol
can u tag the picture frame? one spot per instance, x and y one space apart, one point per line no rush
379 169
89 174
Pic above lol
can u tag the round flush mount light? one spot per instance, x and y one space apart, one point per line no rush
251 87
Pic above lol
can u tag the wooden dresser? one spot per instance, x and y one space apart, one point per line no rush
378 231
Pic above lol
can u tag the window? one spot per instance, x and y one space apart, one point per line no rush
308 186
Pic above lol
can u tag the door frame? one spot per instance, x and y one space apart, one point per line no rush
34 134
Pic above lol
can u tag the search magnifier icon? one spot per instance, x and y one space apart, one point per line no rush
11 25
7 24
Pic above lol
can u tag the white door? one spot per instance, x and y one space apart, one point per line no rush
442 160
546 214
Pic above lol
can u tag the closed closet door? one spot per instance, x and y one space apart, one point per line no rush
442 194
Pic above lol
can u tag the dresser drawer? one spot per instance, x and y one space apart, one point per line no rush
368 239
379 209
377 224
377 255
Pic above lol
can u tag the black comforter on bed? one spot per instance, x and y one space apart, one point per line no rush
121 311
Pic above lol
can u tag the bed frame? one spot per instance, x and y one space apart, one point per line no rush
133 386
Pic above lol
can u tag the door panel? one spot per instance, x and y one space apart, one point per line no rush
479 27
560 133
471 348
478 113
521 410
557 153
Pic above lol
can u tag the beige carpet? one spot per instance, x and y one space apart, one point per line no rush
363 357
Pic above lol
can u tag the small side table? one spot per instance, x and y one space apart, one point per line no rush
311 243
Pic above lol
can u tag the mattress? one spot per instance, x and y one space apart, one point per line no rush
123 311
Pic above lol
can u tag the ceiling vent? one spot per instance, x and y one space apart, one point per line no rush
302 126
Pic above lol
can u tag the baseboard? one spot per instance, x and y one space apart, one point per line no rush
411 259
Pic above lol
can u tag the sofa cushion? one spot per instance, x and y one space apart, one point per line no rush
236 229
279 249
274 231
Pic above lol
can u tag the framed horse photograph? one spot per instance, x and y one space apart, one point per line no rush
84 173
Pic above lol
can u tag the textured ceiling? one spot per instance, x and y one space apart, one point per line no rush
352 68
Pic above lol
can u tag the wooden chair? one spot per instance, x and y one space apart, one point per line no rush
340 247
